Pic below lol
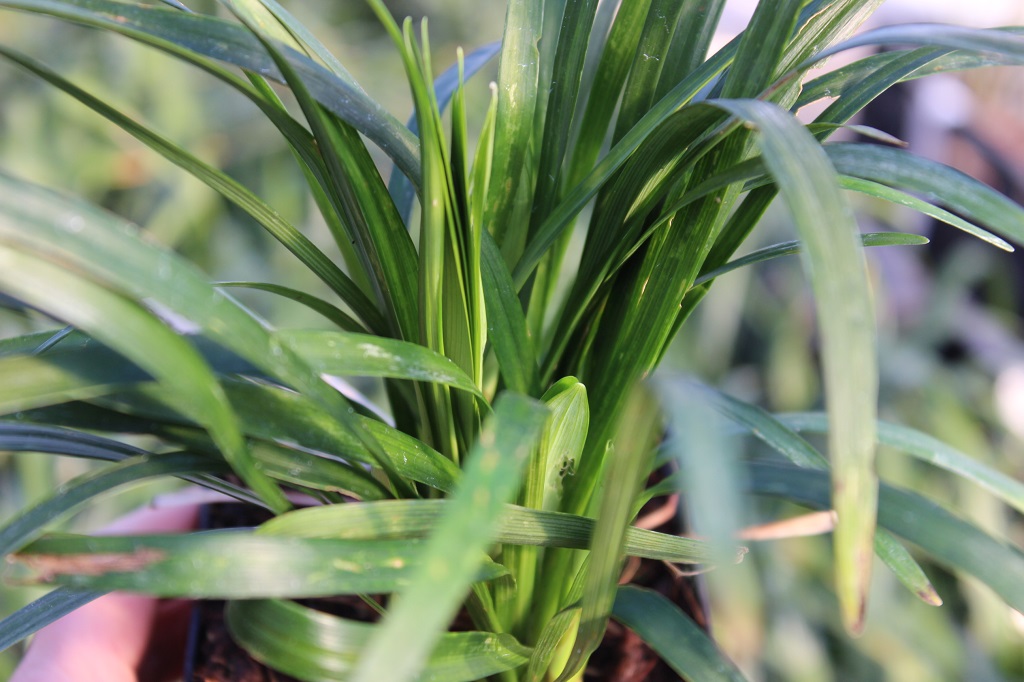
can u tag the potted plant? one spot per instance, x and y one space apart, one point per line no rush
502 477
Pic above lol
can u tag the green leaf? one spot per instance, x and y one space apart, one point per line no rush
304 249
628 465
414 519
108 249
518 70
347 354
939 184
44 438
30 524
673 635
468 526
781 438
224 41
313 645
573 38
608 80
809 185
949 540
318 305
28 382
794 247
401 190
230 565
283 417
507 323
141 337
563 215
897 197
358 195
1005 43
17 437
30 619
928 449
294 33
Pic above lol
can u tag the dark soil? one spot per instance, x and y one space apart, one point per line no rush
622 657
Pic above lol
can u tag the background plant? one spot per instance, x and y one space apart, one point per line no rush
485 298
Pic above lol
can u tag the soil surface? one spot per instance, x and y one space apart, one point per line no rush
622 656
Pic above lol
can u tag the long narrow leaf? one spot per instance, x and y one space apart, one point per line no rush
396 519
947 539
448 562
313 645
147 342
678 640
289 236
28 620
229 564
30 524
809 184
109 249
928 449
231 43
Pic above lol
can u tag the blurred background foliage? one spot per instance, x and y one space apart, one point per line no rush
950 315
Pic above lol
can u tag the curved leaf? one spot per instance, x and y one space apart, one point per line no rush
937 183
1006 43
30 619
949 540
318 305
283 417
312 645
30 524
231 43
927 449
678 640
300 245
347 354
145 340
834 262
793 247
110 250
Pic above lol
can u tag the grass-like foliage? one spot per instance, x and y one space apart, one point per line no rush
519 439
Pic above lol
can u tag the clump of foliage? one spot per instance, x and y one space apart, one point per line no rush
517 440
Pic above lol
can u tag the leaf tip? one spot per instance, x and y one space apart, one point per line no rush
930 596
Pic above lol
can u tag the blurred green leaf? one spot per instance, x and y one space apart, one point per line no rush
222 40
628 465
949 540
835 265
678 640
928 449
31 523
265 215
29 619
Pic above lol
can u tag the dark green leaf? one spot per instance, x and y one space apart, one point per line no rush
673 635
